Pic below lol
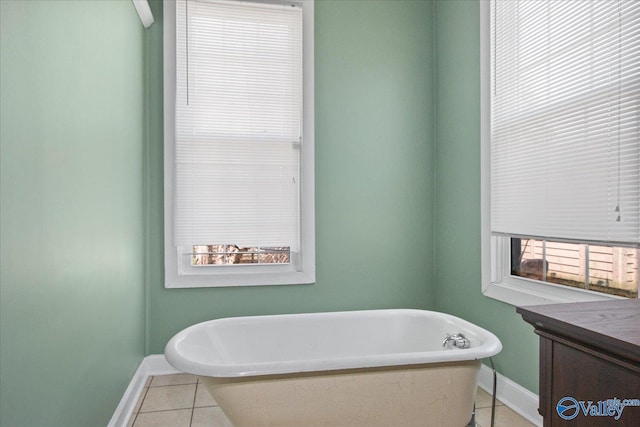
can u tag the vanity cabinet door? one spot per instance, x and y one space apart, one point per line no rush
583 380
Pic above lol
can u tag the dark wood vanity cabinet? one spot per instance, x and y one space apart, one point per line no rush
589 356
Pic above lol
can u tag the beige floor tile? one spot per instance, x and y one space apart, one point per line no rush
505 417
483 399
179 418
203 398
175 379
169 397
210 417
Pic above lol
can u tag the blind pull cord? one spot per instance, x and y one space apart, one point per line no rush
617 210
186 42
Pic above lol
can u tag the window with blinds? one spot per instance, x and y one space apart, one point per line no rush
239 132
565 129
238 123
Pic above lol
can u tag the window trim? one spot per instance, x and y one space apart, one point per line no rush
248 275
496 280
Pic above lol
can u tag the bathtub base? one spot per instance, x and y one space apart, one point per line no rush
438 395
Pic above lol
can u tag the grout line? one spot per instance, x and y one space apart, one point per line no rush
173 385
195 395
142 398
165 386
168 385
166 410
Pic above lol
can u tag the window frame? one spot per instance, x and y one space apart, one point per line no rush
181 274
496 279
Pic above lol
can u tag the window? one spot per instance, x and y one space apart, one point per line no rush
611 270
238 143
561 150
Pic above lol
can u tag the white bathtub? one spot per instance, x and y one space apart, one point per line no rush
359 368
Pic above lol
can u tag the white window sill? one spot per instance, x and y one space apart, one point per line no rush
521 292
232 280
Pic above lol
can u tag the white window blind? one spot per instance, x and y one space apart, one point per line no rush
565 119
238 123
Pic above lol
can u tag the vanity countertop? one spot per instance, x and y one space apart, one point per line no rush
612 325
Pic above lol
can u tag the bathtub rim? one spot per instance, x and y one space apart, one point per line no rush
490 347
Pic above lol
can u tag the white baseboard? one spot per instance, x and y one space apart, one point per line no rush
156 364
513 395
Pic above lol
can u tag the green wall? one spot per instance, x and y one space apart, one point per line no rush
374 174
82 295
457 197
72 131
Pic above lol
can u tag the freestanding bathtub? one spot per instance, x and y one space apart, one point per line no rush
358 368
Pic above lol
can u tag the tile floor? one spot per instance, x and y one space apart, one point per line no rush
176 401
181 401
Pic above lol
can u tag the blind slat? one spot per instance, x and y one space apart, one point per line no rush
238 123
565 119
